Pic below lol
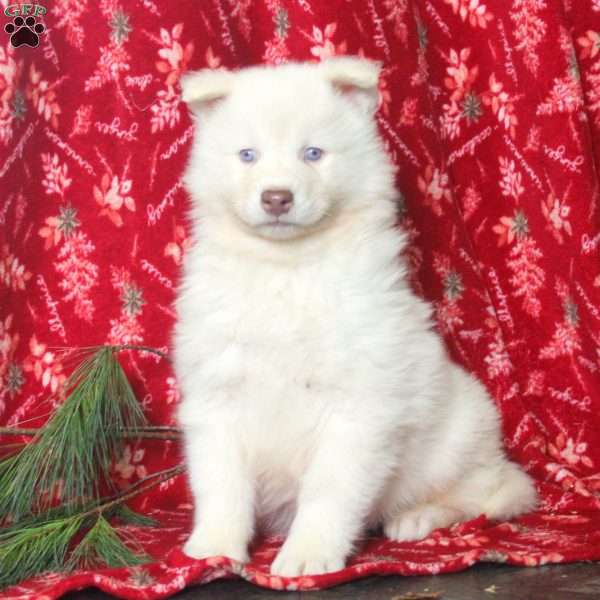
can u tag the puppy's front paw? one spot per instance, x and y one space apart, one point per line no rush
295 559
201 545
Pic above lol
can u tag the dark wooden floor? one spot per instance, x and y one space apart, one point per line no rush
483 582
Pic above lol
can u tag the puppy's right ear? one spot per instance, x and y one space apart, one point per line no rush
355 78
203 89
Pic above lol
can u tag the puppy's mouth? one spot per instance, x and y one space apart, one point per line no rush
278 229
279 224
282 229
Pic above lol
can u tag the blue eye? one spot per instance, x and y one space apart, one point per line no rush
312 154
248 155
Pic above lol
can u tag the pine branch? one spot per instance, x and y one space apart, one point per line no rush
10 446
141 349
165 428
74 352
69 458
151 435
138 487
74 450
40 544
146 433
111 505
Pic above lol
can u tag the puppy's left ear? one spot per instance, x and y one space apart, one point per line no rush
204 89
356 78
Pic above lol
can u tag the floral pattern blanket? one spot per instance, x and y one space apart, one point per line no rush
491 111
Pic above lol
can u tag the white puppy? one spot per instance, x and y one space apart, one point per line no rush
317 401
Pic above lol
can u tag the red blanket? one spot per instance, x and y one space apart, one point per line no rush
491 110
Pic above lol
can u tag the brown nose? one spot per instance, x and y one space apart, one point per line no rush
277 202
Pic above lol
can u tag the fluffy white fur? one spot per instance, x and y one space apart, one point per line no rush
317 401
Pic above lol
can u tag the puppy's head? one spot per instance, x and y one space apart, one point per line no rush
284 151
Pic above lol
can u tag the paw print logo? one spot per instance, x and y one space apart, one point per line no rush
24 31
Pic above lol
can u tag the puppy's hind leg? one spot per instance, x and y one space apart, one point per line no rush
513 495
418 522
500 491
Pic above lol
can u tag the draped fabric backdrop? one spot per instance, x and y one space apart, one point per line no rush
491 112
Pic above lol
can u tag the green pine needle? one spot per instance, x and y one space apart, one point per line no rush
27 552
35 548
102 547
131 517
58 513
71 456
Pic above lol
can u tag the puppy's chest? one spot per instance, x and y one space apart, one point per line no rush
301 328
269 315
276 355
